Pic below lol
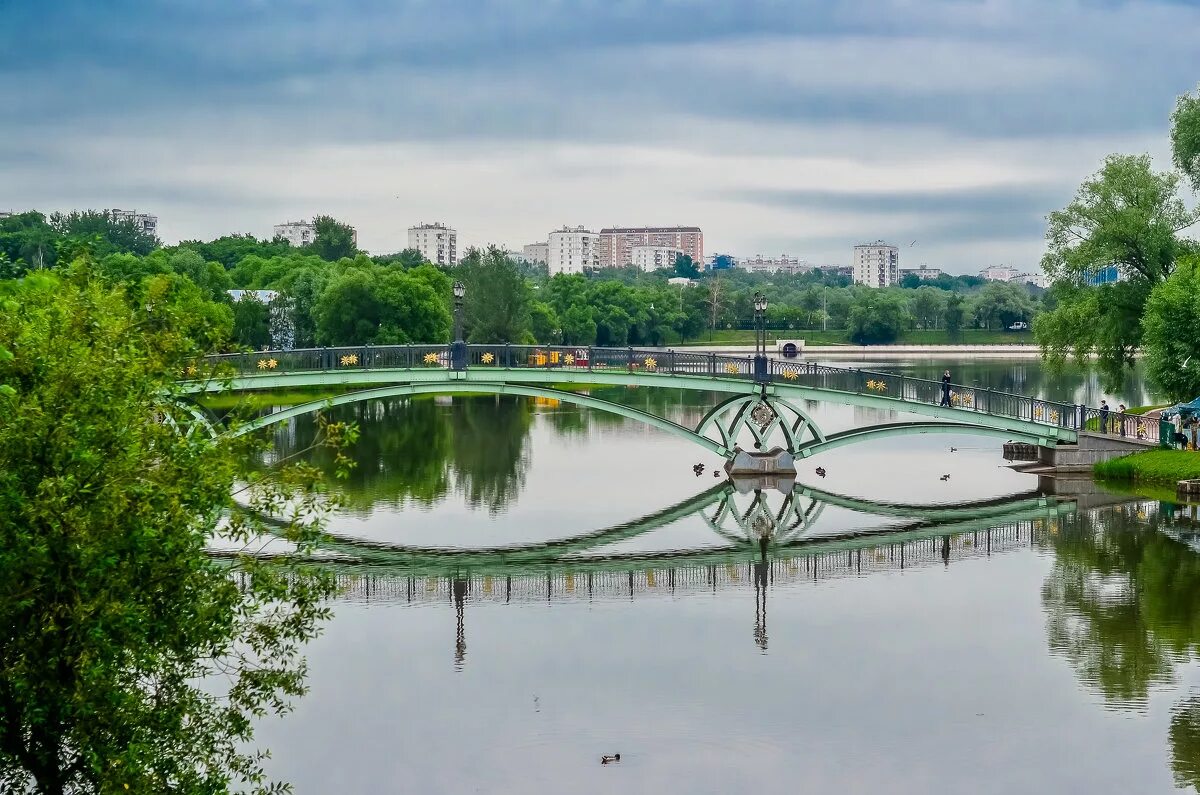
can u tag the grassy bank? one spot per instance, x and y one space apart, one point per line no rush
1164 467
842 337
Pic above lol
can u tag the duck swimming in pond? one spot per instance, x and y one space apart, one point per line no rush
610 758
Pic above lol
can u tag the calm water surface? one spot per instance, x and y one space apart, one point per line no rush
540 585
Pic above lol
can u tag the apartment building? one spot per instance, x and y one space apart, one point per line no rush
536 253
877 264
781 264
144 221
437 243
650 258
571 250
617 243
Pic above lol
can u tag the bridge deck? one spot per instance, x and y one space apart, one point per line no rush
489 367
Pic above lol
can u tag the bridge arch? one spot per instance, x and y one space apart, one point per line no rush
525 390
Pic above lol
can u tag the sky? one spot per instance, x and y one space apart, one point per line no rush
948 127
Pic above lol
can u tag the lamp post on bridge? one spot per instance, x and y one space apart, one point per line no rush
760 338
458 349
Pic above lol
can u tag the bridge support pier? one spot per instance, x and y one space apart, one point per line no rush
775 461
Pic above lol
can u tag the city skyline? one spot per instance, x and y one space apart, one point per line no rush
801 128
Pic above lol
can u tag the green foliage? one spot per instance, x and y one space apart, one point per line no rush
1171 333
102 234
878 317
1127 216
251 323
685 267
132 660
376 305
544 322
498 298
28 242
927 305
1185 136
1001 304
229 250
334 239
1153 466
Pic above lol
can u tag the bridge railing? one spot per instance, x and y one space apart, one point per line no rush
565 357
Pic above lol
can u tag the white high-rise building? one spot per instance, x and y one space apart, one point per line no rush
303 233
571 249
298 233
651 258
438 243
877 264
144 221
537 253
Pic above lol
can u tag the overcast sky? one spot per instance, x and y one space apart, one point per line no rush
797 126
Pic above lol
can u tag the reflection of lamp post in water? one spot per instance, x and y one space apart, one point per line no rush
763 529
460 641
458 349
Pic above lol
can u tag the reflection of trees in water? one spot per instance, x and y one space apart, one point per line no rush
416 449
1185 742
1123 608
488 453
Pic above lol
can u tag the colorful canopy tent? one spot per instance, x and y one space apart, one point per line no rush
1185 411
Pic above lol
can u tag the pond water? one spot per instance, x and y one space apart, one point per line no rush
539 585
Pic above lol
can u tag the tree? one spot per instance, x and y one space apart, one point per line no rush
349 311
1001 304
1171 333
334 239
28 241
251 323
954 313
579 327
211 277
1185 136
103 232
685 267
229 250
497 302
132 660
383 305
544 323
878 317
1126 216
927 305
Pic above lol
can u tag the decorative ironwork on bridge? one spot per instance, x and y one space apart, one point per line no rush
762 407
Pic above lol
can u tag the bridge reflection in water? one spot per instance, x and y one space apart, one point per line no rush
771 537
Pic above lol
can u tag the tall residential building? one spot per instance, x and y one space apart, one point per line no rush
537 253
438 243
651 258
616 245
877 264
781 264
144 221
571 249
298 233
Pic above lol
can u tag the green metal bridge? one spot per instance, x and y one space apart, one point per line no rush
761 404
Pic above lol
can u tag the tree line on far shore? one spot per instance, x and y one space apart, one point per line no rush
336 295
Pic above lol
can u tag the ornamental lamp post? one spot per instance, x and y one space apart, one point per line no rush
458 349
760 338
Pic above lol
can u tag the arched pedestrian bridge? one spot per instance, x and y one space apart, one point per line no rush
762 403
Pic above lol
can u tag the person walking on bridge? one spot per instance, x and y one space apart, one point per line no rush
1103 416
945 388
